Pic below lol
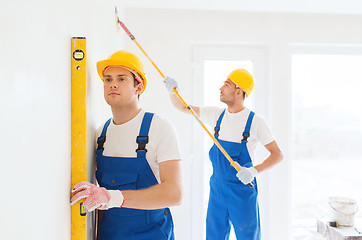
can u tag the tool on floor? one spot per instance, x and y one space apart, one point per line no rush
78 132
333 224
179 96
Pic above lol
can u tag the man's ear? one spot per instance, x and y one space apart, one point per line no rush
239 91
139 89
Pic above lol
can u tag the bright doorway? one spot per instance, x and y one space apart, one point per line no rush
215 73
211 66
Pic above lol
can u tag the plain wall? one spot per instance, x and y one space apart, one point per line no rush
295 6
35 108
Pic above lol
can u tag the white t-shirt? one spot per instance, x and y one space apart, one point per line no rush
162 145
233 125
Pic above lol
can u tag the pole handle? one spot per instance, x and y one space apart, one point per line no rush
126 29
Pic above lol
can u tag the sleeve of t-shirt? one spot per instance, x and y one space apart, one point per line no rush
264 133
97 134
210 114
167 144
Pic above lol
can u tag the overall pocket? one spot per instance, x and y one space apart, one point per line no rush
118 181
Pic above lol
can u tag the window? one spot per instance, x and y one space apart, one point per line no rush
327 136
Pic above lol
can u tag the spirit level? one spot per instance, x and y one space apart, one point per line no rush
78 132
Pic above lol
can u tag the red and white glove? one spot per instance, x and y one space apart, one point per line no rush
96 197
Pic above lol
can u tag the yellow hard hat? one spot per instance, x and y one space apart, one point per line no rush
243 79
124 59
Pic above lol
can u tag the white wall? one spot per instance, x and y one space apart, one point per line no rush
295 6
168 37
35 108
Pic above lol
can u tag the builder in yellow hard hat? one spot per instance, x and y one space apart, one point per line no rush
138 163
238 130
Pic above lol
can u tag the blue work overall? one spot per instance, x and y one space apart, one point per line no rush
130 173
231 201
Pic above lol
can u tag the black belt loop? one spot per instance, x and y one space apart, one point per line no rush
142 141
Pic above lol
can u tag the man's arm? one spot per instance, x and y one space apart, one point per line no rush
274 157
176 101
167 193
170 84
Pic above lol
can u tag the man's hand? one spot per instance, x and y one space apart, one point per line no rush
170 84
246 175
96 197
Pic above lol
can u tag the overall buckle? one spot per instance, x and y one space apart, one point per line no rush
217 129
142 141
100 141
245 136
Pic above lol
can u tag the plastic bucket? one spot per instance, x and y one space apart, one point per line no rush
343 210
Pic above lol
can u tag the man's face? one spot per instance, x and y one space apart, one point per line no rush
119 88
228 92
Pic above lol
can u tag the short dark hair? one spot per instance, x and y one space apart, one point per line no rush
135 82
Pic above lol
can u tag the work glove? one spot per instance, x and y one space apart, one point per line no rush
246 175
170 84
96 197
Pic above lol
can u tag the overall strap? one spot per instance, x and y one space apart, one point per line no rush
246 132
142 138
101 140
217 128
